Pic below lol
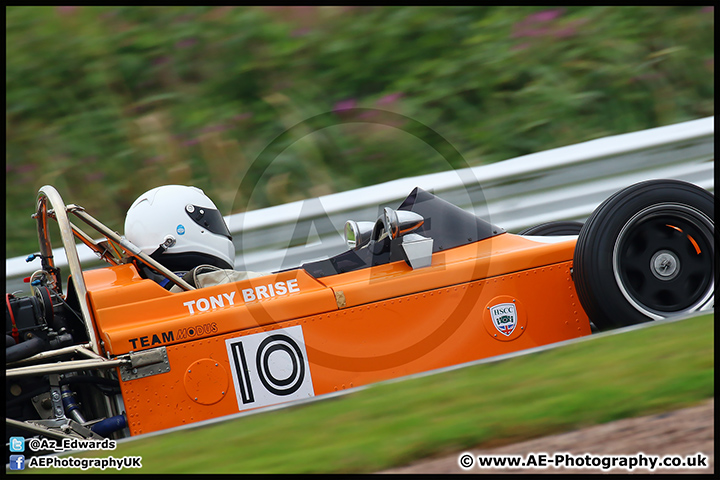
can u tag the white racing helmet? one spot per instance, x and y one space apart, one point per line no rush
180 227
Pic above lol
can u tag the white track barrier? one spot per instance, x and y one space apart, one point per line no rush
565 183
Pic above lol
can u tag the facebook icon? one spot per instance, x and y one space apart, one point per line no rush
17 462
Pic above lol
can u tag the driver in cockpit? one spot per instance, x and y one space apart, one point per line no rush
182 229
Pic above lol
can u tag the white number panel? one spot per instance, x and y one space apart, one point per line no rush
270 367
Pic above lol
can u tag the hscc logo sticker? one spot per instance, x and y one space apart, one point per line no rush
270 367
504 317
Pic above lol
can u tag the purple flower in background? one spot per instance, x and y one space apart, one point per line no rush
27 168
186 43
242 116
160 60
94 177
545 15
707 9
300 32
528 27
183 18
344 105
155 159
388 99
110 14
565 32
214 128
191 142
66 10
649 76
351 151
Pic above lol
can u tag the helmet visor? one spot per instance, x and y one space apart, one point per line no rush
209 219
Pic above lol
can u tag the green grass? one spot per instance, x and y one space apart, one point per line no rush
668 366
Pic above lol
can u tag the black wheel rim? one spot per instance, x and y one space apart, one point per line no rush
663 260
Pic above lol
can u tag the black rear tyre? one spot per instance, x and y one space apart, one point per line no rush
554 228
647 253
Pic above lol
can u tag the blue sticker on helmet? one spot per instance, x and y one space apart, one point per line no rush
180 230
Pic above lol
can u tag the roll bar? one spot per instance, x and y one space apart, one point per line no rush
106 250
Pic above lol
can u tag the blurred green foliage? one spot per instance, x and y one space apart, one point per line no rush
107 102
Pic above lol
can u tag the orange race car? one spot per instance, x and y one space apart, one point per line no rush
425 286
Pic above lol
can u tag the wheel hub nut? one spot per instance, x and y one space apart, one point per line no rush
665 265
